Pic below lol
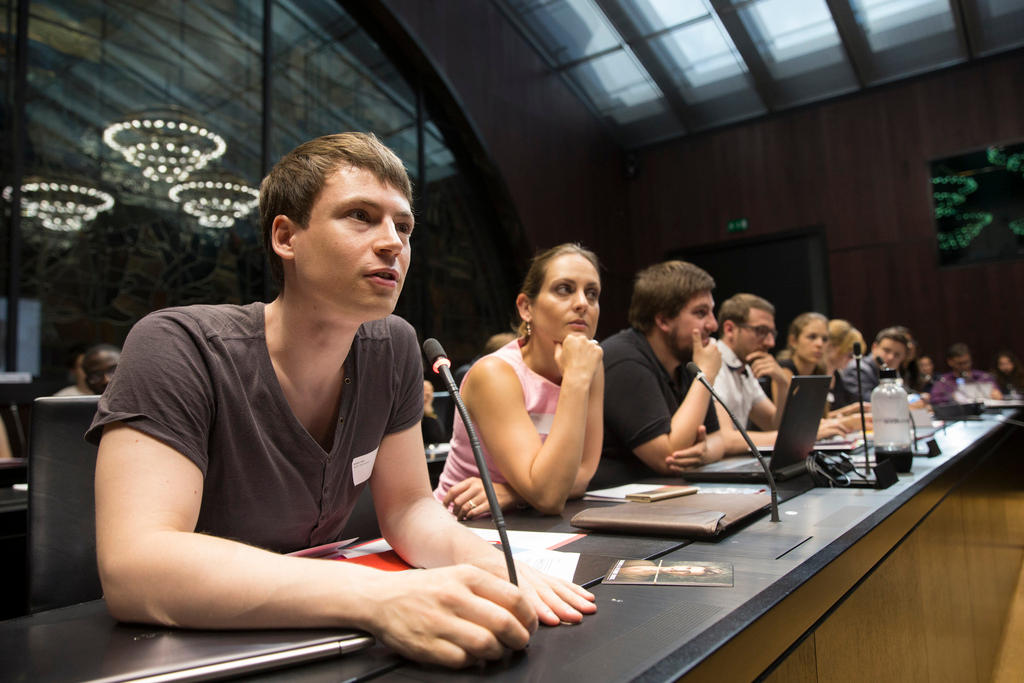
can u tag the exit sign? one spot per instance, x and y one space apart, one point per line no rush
737 225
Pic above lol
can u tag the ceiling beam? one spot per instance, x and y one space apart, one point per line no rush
854 41
968 25
764 84
513 18
650 61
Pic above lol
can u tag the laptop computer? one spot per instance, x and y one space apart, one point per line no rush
84 642
798 429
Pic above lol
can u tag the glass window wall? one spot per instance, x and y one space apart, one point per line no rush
144 149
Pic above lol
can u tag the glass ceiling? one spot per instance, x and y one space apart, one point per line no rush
652 70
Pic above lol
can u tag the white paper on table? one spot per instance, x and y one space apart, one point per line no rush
727 489
528 540
552 562
326 551
620 492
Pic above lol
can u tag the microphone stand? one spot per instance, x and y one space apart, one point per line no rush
442 366
857 355
693 368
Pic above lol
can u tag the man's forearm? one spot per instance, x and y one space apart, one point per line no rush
734 443
426 535
688 417
780 390
156 579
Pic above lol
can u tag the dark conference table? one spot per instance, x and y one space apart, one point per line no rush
910 582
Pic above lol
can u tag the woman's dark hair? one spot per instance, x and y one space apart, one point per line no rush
1014 378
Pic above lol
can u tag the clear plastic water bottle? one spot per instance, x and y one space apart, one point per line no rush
890 413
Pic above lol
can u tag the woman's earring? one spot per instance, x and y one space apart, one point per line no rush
529 330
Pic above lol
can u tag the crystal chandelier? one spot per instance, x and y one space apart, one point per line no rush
66 207
166 144
217 200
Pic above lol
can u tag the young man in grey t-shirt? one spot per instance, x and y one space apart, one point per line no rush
230 429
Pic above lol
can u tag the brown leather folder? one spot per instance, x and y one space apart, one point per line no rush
699 516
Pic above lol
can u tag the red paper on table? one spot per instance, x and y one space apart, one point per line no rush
388 561
377 554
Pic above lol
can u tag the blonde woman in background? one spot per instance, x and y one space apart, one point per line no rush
816 347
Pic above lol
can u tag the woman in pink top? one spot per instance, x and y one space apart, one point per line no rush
537 402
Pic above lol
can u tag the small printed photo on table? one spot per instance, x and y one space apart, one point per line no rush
671 573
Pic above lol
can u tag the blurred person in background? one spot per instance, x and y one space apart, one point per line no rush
1009 374
963 384
76 374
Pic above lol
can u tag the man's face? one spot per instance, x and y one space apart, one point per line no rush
890 351
353 256
960 365
757 334
697 314
99 368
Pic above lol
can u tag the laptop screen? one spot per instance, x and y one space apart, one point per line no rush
798 429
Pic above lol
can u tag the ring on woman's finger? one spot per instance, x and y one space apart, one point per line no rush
471 504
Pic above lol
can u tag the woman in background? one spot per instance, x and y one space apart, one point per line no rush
537 402
806 344
1009 374
809 352
841 338
922 375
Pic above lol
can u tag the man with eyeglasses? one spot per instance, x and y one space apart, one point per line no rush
747 336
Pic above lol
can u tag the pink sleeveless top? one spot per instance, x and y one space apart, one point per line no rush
541 397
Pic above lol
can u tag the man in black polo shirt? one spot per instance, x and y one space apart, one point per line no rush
658 420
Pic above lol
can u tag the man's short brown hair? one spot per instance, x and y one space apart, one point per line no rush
293 185
663 289
958 349
737 307
897 333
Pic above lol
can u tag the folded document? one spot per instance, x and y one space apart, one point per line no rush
697 516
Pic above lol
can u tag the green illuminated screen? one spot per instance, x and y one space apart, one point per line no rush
978 200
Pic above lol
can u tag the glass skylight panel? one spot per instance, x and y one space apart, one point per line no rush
789 29
908 36
891 23
1000 25
616 85
1001 8
701 53
656 15
800 47
568 29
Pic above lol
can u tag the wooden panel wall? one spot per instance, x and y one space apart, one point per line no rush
859 167
934 609
563 171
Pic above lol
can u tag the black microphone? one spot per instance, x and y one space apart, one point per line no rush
441 365
857 354
693 369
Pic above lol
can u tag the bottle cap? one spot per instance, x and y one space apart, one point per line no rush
887 373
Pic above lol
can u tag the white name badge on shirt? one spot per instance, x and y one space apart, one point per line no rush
362 466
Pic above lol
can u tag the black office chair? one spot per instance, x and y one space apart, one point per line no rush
362 523
444 406
61 504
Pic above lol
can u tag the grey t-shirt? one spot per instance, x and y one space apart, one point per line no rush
200 380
